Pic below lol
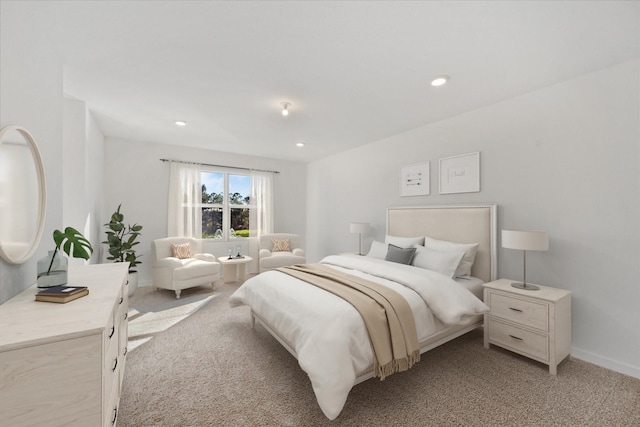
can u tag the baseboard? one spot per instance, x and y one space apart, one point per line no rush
614 365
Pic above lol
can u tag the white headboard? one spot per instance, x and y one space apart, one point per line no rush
455 223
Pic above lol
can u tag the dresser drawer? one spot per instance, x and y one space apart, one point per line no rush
123 333
524 342
110 372
111 410
528 313
110 334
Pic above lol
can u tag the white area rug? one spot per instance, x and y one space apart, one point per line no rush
152 312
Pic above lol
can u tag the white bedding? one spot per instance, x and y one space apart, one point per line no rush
473 284
329 335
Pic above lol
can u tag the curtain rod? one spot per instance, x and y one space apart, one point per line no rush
217 166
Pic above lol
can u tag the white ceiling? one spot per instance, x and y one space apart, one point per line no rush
354 71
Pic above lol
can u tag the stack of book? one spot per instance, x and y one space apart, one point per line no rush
62 294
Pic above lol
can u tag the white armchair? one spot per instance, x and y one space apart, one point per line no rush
273 257
170 272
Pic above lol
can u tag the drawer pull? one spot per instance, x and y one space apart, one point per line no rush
516 338
126 315
113 331
115 416
515 309
125 351
121 299
115 364
127 284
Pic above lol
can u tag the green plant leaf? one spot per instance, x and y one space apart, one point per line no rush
75 244
114 241
116 226
121 239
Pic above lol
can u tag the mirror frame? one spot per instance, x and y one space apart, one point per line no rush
42 194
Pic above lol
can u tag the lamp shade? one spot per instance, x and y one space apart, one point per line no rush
359 227
525 240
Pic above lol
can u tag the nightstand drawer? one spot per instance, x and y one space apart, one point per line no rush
528 313
519 340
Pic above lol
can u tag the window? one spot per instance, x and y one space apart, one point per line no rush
226 205
211 204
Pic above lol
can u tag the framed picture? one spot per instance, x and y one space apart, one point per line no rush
460 174
414 180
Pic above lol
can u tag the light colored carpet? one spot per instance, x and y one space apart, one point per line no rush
151 312
207 367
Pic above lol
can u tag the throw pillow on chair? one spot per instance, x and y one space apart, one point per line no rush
281 245
181 251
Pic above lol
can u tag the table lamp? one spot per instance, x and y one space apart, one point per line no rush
525 241
359 228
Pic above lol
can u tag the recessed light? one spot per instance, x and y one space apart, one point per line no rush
180 123
300 144
439 81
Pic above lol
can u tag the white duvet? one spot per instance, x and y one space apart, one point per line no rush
329 335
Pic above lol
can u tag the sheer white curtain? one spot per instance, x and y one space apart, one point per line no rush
262 199
261 219
185 201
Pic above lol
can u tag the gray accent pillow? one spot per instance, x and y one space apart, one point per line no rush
400 255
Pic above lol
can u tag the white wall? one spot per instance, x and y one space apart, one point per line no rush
94 187
563 159
135 177
31 95
83 146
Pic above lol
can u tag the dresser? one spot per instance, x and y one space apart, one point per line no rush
63 364
536 324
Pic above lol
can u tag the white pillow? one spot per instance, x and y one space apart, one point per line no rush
443 262
464 269
378 250
404 242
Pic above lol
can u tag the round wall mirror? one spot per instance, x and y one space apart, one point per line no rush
23 195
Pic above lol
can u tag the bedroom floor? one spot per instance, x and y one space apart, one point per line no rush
198 363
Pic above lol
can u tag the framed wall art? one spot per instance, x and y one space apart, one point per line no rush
460 174
414 180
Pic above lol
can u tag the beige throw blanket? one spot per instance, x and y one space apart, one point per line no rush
386 314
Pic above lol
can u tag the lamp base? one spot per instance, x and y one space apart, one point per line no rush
525 286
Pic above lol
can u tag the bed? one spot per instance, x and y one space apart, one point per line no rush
328 336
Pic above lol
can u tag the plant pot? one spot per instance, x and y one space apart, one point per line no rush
55 276
133 282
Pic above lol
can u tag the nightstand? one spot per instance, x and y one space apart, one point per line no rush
535 324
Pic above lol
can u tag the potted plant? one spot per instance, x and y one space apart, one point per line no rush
52 269
121 239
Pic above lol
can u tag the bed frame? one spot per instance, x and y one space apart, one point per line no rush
454 223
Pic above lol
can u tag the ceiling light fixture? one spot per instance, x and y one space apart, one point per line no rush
439 81
180 123
285 106
300 144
